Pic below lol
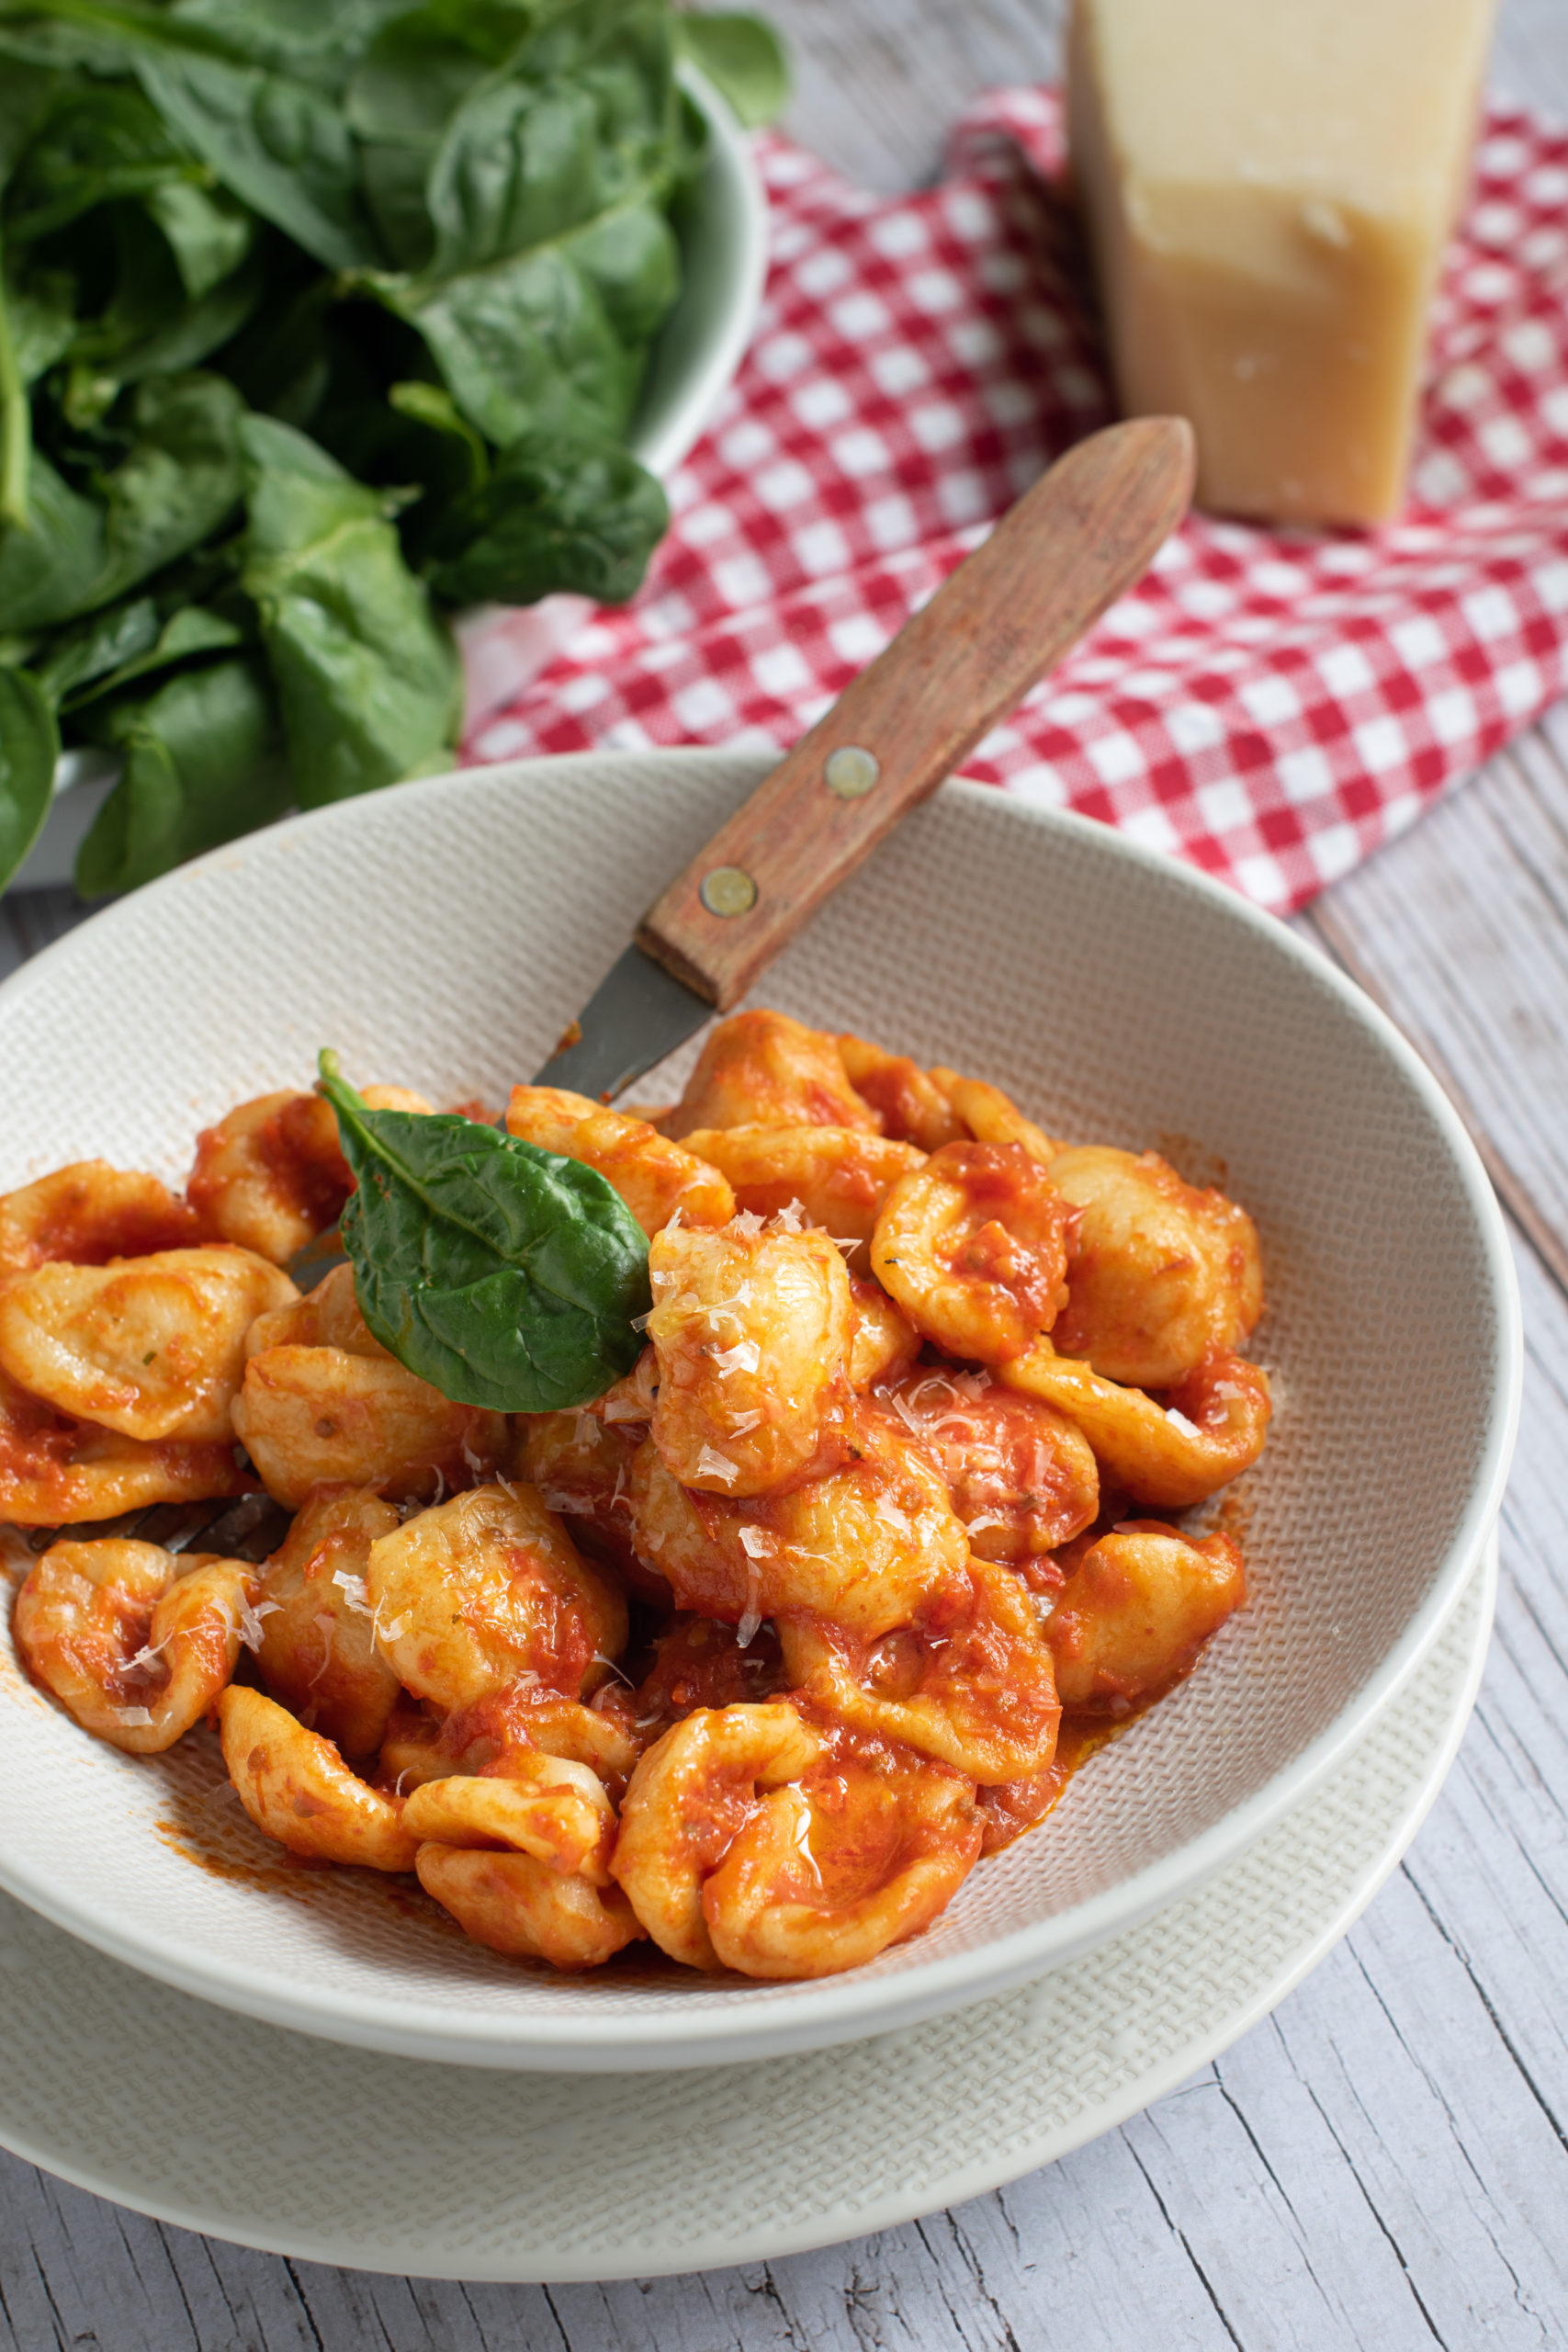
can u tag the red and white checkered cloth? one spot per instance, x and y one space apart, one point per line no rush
1270 704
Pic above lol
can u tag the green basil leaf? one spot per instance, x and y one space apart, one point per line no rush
366 673
202 762
558 512
179 482
506 1276
29 747
743 58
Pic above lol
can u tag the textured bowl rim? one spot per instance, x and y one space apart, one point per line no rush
846 2007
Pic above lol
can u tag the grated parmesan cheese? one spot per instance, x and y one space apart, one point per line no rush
251 1620
134 1716
1179 1421
713 1465
744 1356
354 1592
747 1223
756 1543
791 1218
744 1426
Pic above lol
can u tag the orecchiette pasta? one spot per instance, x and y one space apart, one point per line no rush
764 1069
152 1347
486 1588
1160 1276
974 1247
325 1404
137 1650
752 1330
755 1653
653 1176
840 1176
89 1213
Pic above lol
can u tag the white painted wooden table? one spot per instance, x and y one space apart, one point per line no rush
1384 2164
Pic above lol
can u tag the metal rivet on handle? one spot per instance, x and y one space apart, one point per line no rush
849 771
727 890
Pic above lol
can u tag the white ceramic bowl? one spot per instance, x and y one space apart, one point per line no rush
442 934
724 258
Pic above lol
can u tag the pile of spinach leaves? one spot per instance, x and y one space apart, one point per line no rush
317 318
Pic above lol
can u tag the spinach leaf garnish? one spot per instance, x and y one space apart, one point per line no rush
506 1276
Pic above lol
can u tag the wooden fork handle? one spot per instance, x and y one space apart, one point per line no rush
1083 534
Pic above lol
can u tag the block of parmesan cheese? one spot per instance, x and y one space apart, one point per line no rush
1268 187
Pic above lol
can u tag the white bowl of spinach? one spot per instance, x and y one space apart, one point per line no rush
320 322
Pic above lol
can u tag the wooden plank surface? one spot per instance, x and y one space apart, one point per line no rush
1384 2164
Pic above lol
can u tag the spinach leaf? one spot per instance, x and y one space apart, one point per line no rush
151 325
16 426
367 674
202 762
41 313
524 344
28 342
319 42
558 511
49 564
75 658
398 100
130 641
30 746
742 57
25 95
178 482
280 145
433 408
208 234
94 144
505 1275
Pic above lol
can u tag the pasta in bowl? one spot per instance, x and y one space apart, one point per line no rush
751 1654
996 977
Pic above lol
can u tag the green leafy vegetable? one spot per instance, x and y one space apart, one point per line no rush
556 513
317 317
94 144
743 58
30 746
202 764
506 1276
367 675
179 481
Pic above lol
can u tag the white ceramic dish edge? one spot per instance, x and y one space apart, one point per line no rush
846 2009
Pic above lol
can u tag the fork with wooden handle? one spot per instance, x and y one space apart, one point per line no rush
1075 542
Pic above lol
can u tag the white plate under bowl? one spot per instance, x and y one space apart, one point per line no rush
340 2155
723 264
442 934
